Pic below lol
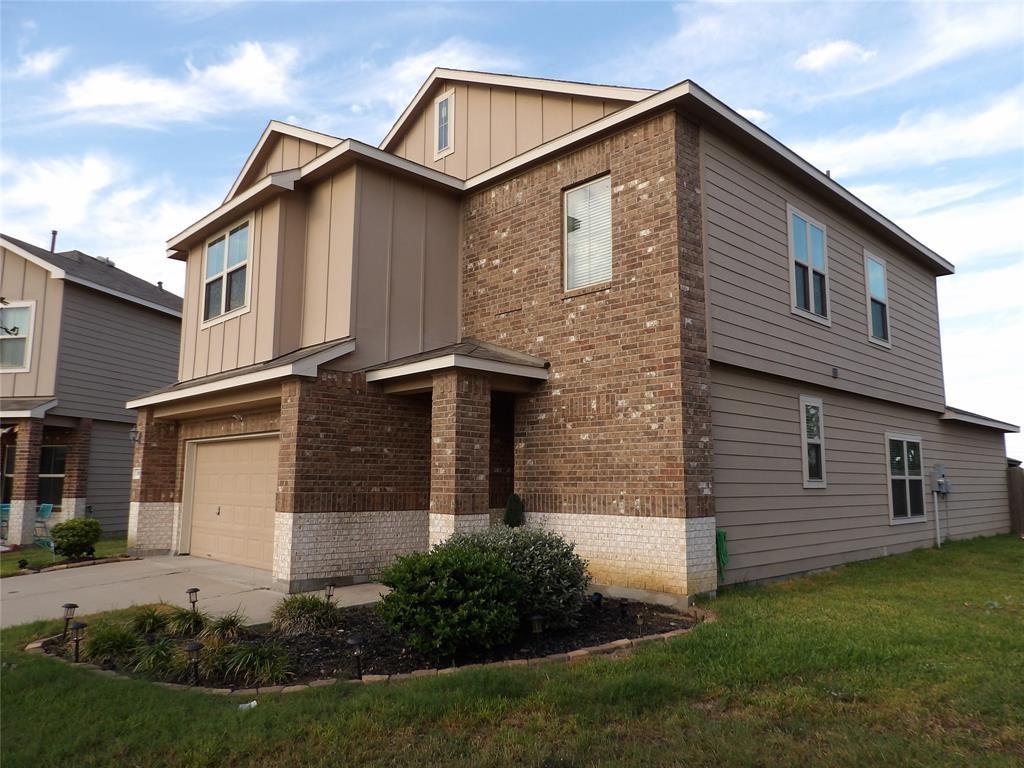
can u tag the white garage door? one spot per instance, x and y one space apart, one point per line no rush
234 485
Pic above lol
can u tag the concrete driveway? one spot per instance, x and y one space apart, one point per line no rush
222 589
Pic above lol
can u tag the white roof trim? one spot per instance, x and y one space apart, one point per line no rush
308 366
32 413
55 272
458 361
981 421
352 146
276 127
616 92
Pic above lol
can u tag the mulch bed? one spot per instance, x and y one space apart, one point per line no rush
328 655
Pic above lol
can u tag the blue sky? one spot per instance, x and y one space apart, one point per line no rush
124 122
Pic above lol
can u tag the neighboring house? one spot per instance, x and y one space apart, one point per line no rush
634 308
79 337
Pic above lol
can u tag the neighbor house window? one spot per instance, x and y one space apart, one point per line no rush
588 234
877 286
226 288
809 266
16 319
812 438
444 114
906 478
52 460
8 475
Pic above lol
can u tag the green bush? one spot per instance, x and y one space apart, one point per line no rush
184 622
227 627
451 599
76 539
299 614
554 578
160 660
248 665
109 643
515 512
149 620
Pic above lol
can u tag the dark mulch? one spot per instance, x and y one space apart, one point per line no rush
328 654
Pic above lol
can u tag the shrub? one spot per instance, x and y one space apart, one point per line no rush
515 512
109 643
450 600
162 660
76 538
250 664
184 622
149 620
227 627
299 614
554 578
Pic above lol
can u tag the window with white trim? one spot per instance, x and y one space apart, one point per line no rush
904 467
812 441
808 255
876 284
52 464
226 273
444 114
7 479
587 230
16 318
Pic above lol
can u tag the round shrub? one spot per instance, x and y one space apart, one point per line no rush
76 539
109 643
149 620
160 660
185 622
299 614
450 600
248 664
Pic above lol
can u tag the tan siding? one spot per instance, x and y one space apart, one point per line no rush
776 527
405 274
529 121
339 296
478 143
20 280
557 115
749 298
280 153
318 246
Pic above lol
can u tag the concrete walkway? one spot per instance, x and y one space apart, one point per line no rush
222 589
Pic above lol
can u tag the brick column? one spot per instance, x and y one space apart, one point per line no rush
155 509
25 483
76 471
459 453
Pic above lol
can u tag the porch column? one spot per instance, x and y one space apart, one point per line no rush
25 483
154 509
459 453
76 471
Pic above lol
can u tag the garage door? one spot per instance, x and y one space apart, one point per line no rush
234 484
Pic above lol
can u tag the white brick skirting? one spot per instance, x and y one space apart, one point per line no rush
442 526
666 555
151 526
21 523
70 509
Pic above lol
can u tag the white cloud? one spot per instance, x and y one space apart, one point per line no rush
971 232
39 63
924 139
981 293
755 115
904 200
100 206
833 54
254 75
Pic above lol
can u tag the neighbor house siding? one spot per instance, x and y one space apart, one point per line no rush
749 266
777 527
21 280
110 475
493 124
111 351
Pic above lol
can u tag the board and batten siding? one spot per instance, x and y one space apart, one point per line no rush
21 280
111 351
281 153
749 298
776 527
493 124
110 475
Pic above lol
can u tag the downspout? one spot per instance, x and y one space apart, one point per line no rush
935 506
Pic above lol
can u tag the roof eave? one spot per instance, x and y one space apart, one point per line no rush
981 421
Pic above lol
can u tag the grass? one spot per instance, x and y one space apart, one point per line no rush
42 558
911 660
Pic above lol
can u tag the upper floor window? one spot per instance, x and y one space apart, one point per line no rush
16 319
877 286
444 113
226 280
906 478
809 270
812 438
588 233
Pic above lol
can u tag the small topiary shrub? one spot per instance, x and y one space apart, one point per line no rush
450 600
184 622
76 539
299 614
515 512
109 643
149 620
227 627
248 665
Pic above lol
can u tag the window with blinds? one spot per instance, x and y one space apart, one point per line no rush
588 234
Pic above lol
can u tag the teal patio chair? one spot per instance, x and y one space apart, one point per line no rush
41 537
5 517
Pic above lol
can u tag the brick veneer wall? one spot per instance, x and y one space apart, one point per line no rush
25 483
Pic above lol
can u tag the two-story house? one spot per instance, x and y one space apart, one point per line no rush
634 308
79 337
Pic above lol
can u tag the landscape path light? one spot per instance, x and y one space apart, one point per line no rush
77 632
193 596
194 649
537 624
329 591
355 642
69 614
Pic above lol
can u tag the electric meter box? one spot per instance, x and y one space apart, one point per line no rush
940 482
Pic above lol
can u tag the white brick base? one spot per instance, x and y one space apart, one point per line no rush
21 523
311 549
151 526
665 555
443 526
70 509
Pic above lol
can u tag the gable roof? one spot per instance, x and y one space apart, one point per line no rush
567 87
98 274
276 128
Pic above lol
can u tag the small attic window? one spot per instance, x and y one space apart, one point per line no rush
444 119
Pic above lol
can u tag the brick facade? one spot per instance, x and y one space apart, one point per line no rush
76 470
25 483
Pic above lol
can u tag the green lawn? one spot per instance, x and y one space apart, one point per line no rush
41 558
911 660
